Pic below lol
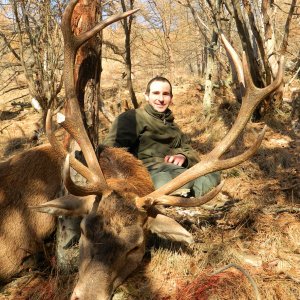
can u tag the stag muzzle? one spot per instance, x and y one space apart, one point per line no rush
96 284
87 293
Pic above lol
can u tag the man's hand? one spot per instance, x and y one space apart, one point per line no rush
177 159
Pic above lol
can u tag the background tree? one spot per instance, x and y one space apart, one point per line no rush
88 65
127 25
177 39
255 28
209 17
162 20
256 22
210 38
34 41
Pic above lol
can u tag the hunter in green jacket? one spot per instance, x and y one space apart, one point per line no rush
151 135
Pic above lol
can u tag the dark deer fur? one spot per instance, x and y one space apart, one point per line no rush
33 178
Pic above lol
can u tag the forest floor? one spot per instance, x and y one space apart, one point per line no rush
251 229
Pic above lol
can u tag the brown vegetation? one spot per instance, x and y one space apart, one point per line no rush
253 223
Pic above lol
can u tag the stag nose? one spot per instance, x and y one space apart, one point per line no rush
77 294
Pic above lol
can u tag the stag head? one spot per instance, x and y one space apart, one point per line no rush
113 230
118 202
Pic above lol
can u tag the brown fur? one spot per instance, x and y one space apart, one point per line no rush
30 178
33 178
124 173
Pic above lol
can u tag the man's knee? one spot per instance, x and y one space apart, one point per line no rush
215 178
204 184
160 178
163 177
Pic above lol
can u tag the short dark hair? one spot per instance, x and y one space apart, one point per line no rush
161 79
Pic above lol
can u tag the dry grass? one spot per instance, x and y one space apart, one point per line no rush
253 223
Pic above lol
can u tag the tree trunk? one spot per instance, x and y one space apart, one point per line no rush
258 39
128 65
244 35
128 70
88 67
275 98
208 94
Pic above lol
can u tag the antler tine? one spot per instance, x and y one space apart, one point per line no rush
211 162
261 93
76 129
76 41
180 201
88 34
235 59
91 188
62 153
250 100
56 145
73 42
73 113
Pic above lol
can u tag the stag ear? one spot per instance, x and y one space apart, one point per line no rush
68 205
168 228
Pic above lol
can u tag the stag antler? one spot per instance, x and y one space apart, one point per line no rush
72 122
211 162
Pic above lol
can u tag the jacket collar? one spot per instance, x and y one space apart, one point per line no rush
164 116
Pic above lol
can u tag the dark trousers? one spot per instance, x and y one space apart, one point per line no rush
166 172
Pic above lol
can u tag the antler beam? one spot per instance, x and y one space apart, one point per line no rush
72 122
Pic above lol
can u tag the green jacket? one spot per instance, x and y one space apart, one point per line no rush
150 136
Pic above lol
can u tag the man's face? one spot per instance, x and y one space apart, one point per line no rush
159 96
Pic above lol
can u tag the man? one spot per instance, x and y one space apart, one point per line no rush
151 135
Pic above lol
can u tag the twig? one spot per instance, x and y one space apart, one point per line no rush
290 187
1 130
288 209
20 97
246 273
293 278
293 78
15 88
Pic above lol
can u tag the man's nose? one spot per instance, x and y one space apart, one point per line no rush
160 97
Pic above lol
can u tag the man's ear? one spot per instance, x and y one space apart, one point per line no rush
146 97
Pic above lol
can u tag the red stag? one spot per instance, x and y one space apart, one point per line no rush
112 241
118 202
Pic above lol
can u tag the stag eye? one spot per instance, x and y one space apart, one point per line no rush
133 251
82 229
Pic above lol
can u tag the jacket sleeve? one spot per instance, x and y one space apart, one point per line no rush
123 132
192 156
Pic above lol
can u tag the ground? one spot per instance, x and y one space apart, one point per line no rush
252 227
